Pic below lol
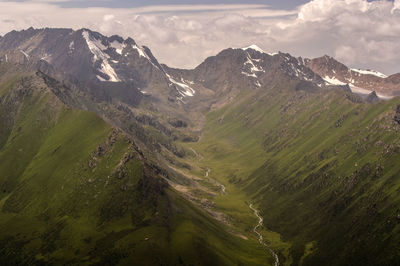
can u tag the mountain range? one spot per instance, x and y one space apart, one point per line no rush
108 157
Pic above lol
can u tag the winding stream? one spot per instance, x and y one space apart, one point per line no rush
256 213
197 154
260 237
223 189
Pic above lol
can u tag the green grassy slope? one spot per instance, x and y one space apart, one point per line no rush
323 169
75 191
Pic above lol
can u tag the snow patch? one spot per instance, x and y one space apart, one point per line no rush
186 89
45 58
253 69
333 81
140 51
100 78
25 54
369 72
107 69
298 69
249 75
96 48
258 49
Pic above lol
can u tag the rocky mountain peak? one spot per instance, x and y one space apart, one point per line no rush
130 41
92 58
256 48
87 55
327 66
360 81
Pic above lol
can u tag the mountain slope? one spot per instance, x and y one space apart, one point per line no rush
321 167
76 190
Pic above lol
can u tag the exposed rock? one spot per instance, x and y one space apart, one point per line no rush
397 115
207 203
354 98
100 151
177 123
339 122
121 174
306 86
372 97
92 164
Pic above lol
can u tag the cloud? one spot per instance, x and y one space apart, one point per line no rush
396 6
357 32
360 33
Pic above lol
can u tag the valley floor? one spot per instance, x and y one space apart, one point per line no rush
228 204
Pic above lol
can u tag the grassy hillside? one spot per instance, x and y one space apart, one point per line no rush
322 167
75 191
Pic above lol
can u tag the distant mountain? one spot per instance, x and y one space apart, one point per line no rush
92 60
360 81
103 64
87 55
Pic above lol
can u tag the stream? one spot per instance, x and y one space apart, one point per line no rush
260 237
223 189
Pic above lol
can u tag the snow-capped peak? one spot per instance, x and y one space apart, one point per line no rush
254 47
258 49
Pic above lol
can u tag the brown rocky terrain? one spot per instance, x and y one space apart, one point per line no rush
361 81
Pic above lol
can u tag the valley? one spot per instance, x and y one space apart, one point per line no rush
108 157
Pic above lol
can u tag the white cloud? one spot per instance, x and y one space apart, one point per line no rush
396 6
359 33
345 53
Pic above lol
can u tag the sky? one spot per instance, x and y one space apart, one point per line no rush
277 4
182 33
